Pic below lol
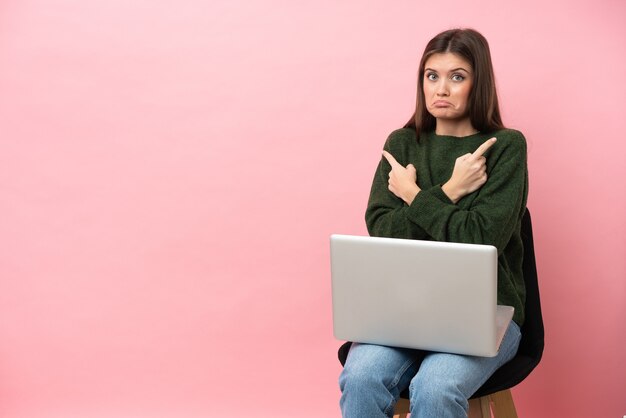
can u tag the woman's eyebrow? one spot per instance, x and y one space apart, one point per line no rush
452 70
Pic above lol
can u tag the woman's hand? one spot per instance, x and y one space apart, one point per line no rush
402 181
469 174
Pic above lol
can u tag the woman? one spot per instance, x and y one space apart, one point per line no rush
453 173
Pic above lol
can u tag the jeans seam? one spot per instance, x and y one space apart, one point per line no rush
394 384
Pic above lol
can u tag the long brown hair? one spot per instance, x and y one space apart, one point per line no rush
484 111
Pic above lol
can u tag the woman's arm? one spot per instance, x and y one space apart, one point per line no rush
386 215
495 209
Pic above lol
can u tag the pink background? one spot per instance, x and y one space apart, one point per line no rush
170 173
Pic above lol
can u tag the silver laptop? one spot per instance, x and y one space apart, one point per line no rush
430 295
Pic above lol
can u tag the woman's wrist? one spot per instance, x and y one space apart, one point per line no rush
409 195
452 192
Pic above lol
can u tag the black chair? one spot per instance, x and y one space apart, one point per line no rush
495 393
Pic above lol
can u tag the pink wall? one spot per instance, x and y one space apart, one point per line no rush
171 171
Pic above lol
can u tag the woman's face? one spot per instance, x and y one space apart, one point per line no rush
447 84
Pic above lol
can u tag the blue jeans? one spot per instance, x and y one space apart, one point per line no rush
439 383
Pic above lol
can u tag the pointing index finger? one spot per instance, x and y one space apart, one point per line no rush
392 161
484 147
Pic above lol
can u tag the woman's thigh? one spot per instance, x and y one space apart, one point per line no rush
465 373
391 366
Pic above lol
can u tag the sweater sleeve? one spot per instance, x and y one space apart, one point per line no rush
386 215
487 216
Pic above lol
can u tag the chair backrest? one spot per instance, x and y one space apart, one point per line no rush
531 345
532 342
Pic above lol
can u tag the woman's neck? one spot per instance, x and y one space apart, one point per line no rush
455 127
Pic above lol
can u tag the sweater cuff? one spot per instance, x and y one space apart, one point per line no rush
427 203
438 192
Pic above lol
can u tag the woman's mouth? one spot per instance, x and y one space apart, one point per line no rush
442 103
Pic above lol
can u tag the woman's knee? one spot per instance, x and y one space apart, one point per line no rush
373 367
430 393
358 376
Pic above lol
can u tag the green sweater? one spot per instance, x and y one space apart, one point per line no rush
491 215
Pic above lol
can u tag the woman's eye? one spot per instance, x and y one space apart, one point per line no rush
431 76
457 77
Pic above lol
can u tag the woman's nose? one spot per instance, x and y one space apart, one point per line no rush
442 88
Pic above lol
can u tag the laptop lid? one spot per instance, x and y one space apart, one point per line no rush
428 295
